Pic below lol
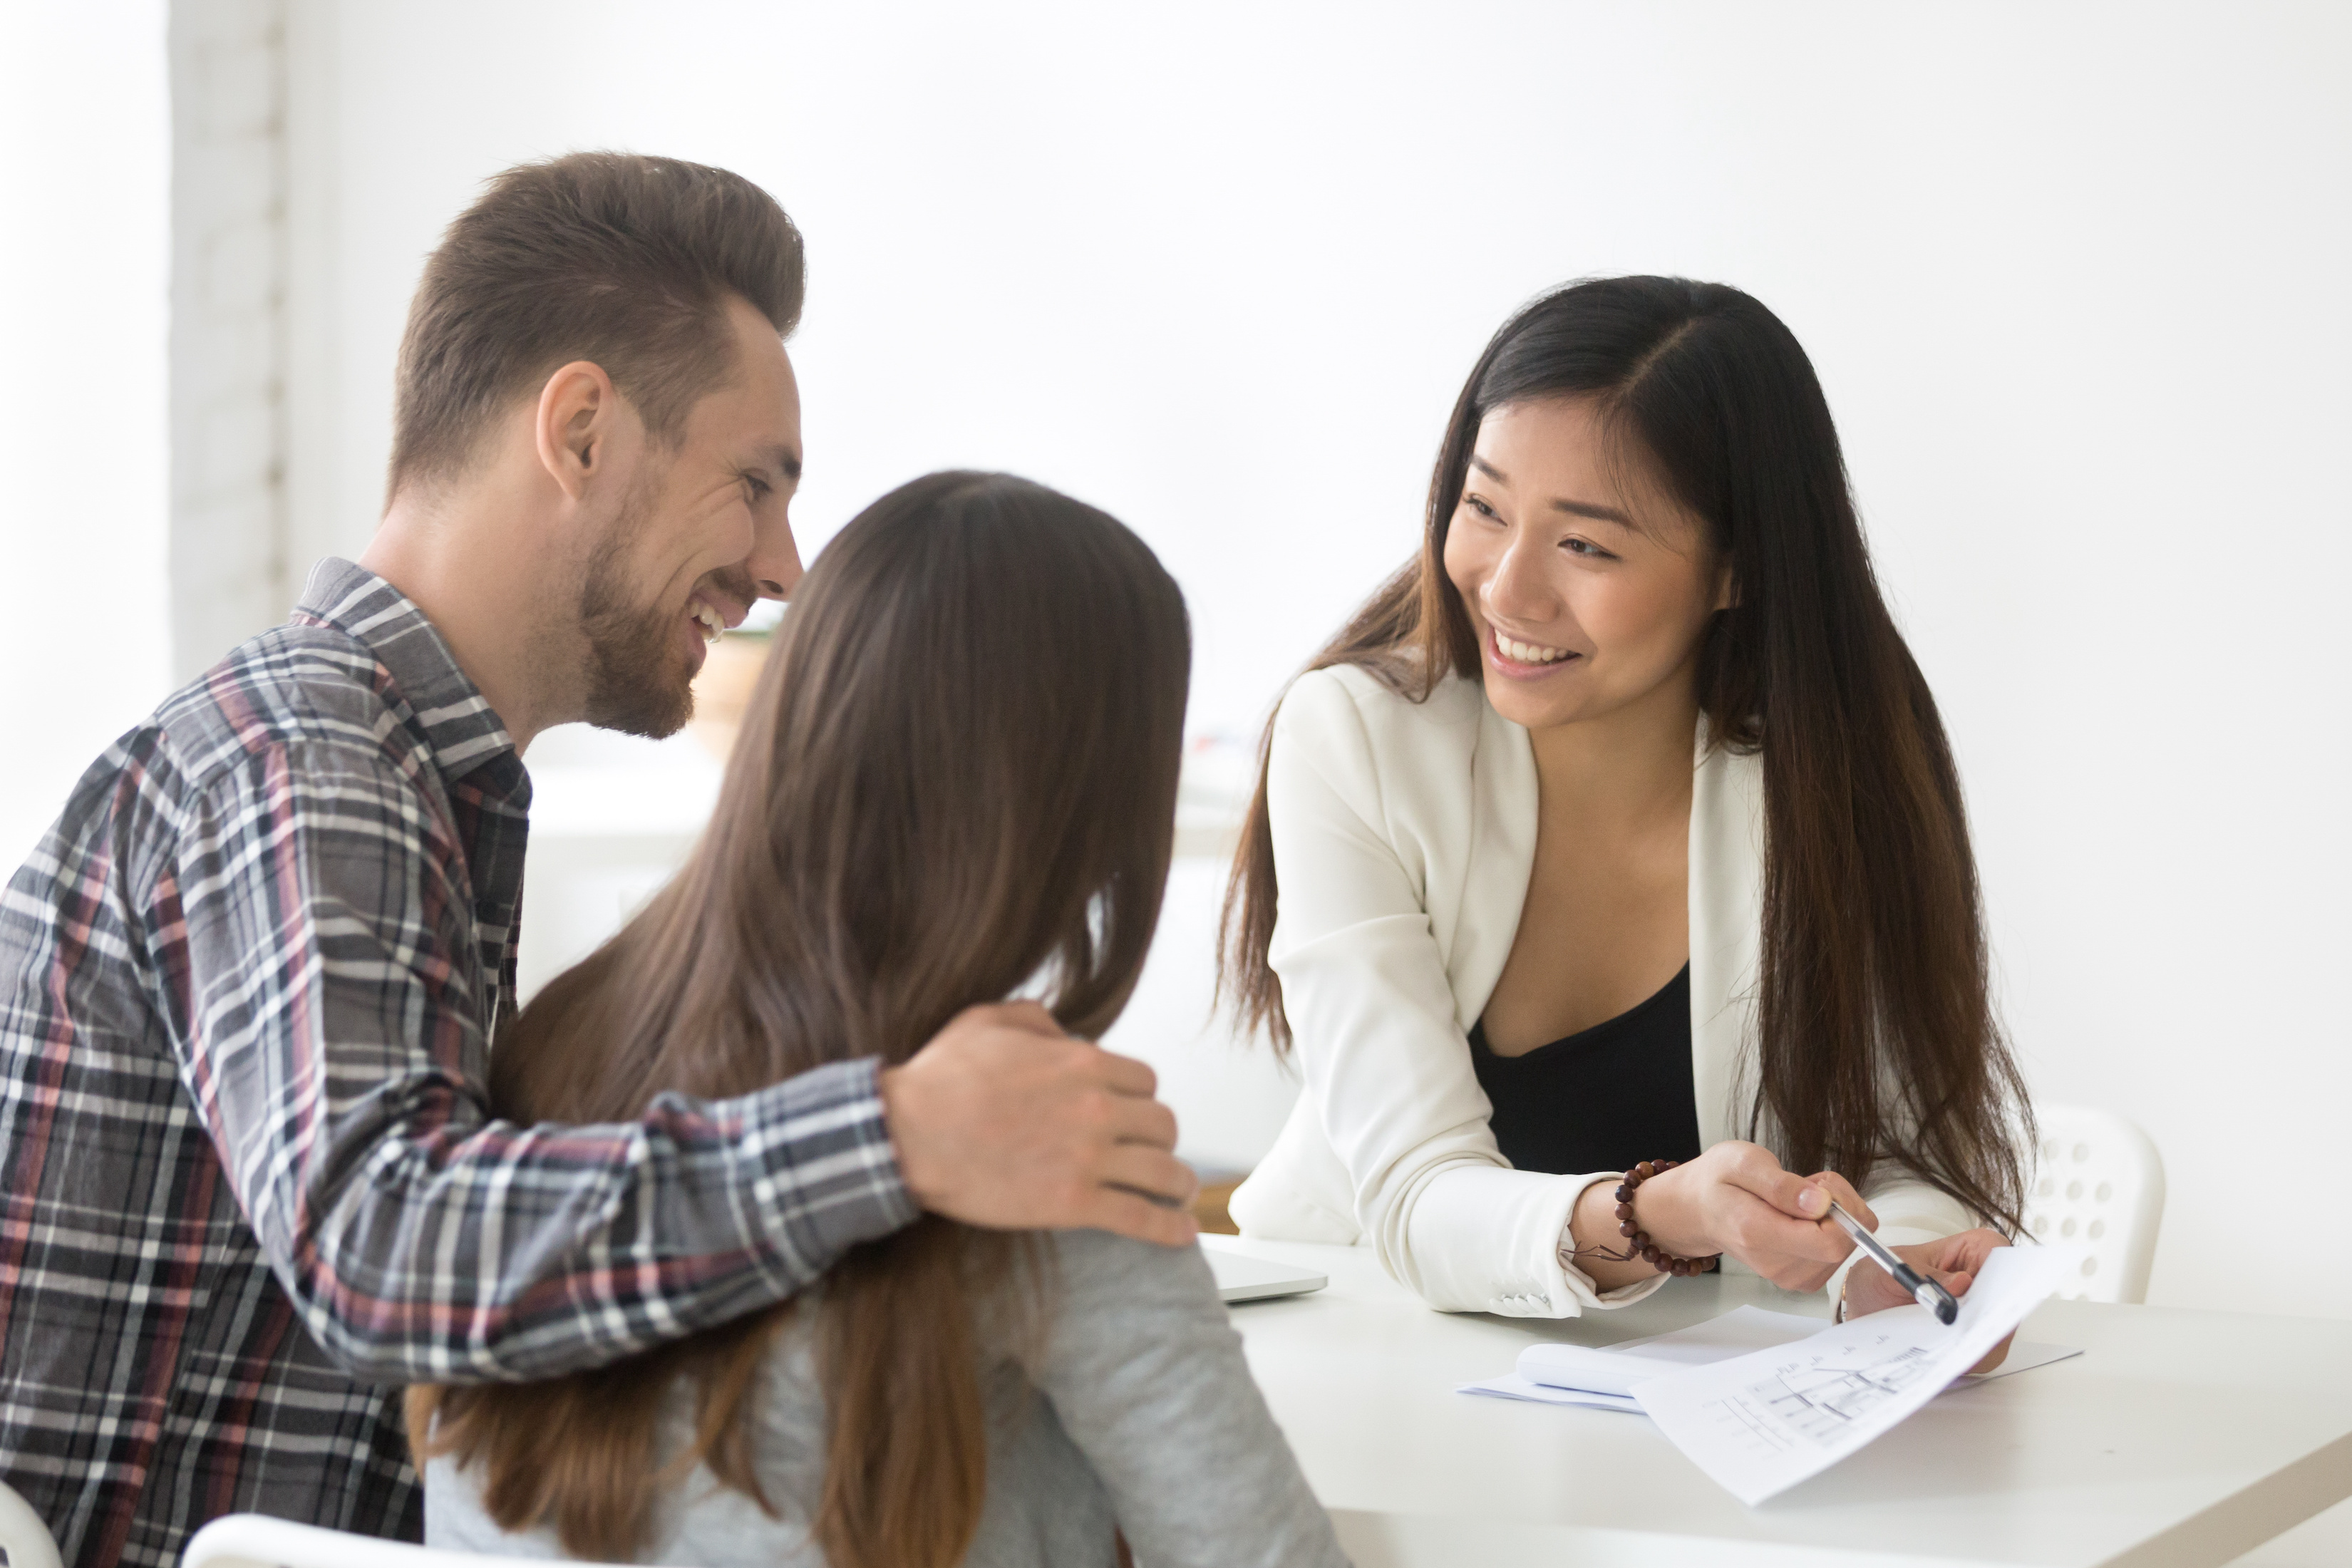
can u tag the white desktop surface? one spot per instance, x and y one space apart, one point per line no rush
2178 1437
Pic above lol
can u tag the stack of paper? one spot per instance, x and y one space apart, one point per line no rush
1578 1374
1762 1422
1761 1400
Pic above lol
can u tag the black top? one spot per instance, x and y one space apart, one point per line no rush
1605 1098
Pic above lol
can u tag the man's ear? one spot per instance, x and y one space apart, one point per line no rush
577 411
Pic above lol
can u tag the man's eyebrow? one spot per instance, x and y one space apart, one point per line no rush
787 462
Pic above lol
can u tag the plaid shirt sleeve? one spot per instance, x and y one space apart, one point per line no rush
329 1012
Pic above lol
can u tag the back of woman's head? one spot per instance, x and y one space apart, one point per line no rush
956 780
958 770
1878 1042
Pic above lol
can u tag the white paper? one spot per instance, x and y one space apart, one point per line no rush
1762 1422
2023 1355
1736 1333
1511 1385
1615 1369
1719 1338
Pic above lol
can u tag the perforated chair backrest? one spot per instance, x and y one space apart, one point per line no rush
256 1540
23 1533
2097 1185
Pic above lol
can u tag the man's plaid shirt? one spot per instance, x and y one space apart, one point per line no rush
248 1184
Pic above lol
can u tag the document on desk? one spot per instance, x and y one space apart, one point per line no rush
1580 1374
1762 1422
1604 1377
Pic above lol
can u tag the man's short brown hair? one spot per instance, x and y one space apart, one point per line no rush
622 260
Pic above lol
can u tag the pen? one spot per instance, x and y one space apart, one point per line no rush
1925 1291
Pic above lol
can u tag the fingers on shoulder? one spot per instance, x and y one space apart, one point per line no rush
1153 1171
1028 1016
1102 1119
1135 1120
1124 1075
1125 1214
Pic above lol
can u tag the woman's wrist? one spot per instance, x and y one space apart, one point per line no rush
1666 1211
1610 1239
1673 1256
1592 1237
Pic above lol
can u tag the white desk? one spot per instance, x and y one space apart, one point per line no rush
2178 1438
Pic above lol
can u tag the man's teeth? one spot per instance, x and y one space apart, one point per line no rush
712 622
1529 653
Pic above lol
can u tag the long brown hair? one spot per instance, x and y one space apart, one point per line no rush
957 781
1878 1041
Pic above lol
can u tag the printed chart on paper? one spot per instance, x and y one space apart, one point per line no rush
1762 1422
1814 1402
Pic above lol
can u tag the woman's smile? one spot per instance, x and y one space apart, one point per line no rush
1508 656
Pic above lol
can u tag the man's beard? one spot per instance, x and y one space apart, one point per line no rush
638 681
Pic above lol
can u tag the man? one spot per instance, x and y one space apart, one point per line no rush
249 981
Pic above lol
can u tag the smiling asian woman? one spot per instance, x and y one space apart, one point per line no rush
1621 826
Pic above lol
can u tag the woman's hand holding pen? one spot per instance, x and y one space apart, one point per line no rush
1953 1262
1734 1199
1737 1199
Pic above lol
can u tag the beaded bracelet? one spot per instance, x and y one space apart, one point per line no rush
1645 1249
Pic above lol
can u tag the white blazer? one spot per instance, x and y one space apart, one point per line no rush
1404 834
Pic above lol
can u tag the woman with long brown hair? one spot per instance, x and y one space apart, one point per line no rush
1620 828
956 783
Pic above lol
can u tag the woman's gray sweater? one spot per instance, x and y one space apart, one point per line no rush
1138 1414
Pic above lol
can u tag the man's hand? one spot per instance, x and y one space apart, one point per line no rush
1002 1120
1954 1263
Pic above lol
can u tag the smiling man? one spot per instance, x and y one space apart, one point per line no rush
250 979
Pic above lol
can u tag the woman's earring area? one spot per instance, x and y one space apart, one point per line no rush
1642 1246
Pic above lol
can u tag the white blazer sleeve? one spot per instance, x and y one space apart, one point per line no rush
1386 1064
1910 1211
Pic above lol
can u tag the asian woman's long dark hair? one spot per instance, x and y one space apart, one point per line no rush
957 780
1879 1042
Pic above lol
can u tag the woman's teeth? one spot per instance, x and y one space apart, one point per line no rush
712 622
1529 653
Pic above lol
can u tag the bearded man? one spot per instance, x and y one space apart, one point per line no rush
250 979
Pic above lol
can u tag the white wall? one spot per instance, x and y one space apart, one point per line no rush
84 263
229 573
2074 278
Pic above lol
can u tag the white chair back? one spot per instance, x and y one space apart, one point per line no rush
2099 1185
256 1540
23 1535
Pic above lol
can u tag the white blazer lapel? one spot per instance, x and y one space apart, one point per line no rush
1726 905
1504 797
